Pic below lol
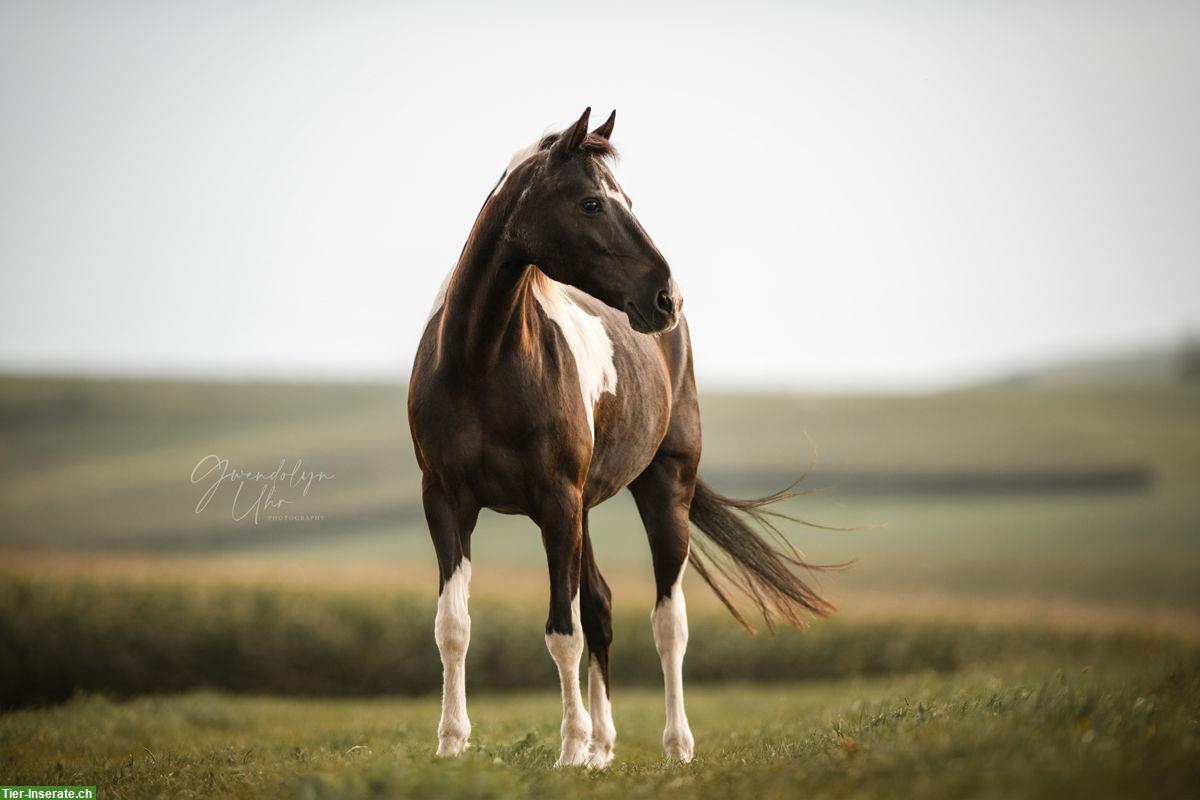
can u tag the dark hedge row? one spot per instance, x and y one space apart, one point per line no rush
60 636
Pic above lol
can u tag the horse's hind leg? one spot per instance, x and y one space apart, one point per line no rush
562 535
664 494
595 610
450 527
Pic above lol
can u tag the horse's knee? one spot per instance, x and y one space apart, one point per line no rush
453 635
452 626
670 624
669 617
565 648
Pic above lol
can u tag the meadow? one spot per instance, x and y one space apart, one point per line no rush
1028 730
1023 617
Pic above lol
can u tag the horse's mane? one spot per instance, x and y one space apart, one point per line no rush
596 146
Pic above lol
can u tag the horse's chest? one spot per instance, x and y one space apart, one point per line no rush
503 430
585 403
580 347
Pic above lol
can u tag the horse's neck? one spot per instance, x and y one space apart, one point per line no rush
487 307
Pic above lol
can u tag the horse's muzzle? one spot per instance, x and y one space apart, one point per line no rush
657 314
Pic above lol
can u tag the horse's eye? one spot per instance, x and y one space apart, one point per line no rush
591 206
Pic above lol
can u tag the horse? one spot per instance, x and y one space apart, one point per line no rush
554 371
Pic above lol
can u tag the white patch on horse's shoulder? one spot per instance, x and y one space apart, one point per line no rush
587 339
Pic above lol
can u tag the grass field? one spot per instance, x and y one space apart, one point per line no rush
1025 623
1040 729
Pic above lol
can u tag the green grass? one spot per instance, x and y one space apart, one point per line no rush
1036 729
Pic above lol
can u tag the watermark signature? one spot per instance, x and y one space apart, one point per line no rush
256 494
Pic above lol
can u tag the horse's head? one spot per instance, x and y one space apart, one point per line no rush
574 223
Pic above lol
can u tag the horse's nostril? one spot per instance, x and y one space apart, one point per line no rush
665 302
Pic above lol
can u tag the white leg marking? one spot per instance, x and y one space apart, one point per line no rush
452 630
566 650
604 733
587 340
669 620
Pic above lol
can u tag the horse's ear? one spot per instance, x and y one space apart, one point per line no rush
572 138
605 130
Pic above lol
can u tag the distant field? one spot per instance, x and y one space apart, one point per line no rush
1066 494
70 446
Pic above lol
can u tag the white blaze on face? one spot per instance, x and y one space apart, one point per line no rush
609 186
669 621
452 630
587 340
566 650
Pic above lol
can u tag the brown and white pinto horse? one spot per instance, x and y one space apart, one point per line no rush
555 371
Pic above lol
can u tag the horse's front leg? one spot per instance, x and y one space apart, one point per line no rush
562 535
450 526
595 608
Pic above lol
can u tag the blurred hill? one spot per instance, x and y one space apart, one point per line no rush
1084 486
1140 366
110 463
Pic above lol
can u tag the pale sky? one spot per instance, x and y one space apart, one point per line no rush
852 195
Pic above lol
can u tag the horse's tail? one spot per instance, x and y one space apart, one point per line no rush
729 552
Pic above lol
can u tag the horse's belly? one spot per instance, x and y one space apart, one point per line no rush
629 431
607 477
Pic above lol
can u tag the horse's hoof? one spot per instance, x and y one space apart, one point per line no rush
574 754
449 746
600 755
678 748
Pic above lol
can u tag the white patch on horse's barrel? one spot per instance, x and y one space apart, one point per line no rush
588 341
669 621
452 631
